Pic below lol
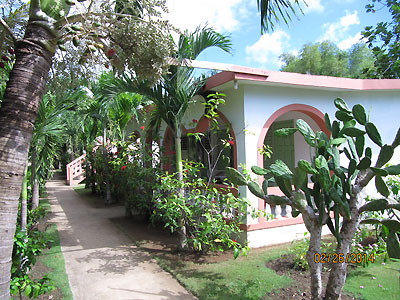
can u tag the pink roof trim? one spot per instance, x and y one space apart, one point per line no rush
285 78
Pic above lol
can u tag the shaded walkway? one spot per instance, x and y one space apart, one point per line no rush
101 262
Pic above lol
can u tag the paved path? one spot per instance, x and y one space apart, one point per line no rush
101 261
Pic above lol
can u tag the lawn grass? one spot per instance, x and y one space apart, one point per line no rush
245 278
386 284
54 259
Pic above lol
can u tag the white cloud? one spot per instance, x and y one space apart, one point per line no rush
313 6
350 41
338 30
223 15
268 48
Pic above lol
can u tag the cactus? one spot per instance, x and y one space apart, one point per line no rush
337 188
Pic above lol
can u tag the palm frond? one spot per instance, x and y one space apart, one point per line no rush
273 10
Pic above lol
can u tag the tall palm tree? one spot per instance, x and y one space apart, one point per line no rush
173 94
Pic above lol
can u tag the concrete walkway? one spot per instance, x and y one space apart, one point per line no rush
101 262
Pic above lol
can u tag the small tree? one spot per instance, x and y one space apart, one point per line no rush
337 188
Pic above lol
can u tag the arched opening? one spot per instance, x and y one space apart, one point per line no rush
215 147
288 149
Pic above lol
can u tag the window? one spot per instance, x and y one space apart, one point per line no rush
282 147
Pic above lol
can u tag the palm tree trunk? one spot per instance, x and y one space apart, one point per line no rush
23 94
35 195
179 169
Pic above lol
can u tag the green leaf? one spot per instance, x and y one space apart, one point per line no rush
260 171
255 189
236 252
265 187
335 129
353 132
295 213
343 116
235 176
375 205
368 152
360 144
381 186
281 170
307 167
306 131
393 170
28 290
299 178
359 114
277 200
385 155
285 131
328 122
341 105
284 186
336 157
352 167
380 172
364 164
393 245
373 133
370 221
396 141
320 162
393 225
338 141
55 9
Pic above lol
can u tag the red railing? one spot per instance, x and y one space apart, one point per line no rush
75 171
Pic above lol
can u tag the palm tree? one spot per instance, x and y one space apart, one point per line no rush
48 137
173 94
274 10
22 97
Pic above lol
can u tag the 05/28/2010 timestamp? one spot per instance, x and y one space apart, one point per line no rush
339 258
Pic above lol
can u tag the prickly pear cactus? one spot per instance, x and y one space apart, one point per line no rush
336 184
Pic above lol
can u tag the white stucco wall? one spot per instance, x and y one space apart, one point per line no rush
262 101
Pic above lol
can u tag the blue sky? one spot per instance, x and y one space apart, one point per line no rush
340 21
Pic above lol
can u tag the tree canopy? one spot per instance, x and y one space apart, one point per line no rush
384 40
327 59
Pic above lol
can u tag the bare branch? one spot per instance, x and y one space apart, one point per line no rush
8 29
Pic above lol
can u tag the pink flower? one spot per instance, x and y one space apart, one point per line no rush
235 241
123 168
361 286
142 127
231 142
11 51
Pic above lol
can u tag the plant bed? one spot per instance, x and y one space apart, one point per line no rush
266 273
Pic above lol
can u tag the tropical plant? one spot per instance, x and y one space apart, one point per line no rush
147 46
384 38
212 217
273 10
337 189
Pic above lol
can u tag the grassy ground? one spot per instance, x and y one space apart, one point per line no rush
53 259
377 281
245 278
